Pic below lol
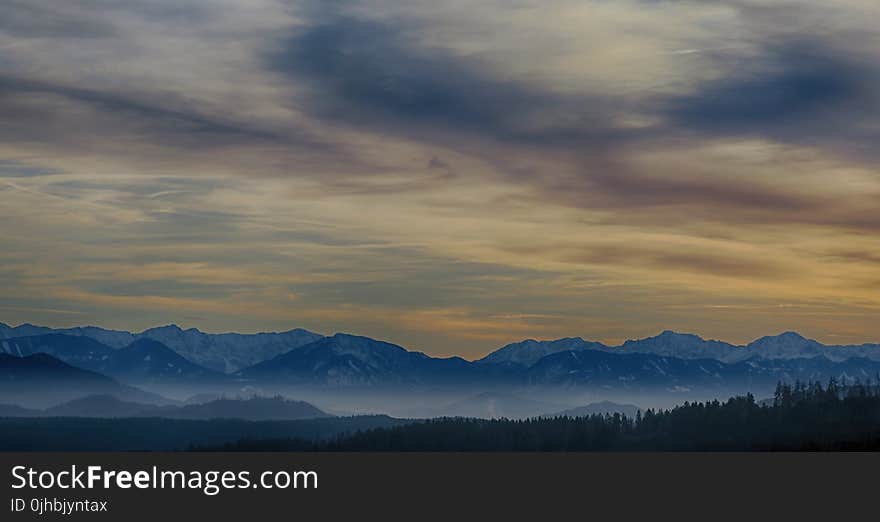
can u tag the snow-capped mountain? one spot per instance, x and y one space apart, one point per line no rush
142 360
682 346
625 370
788 345
224 352
149 360
228 352
351 360
668 361
528 352
82 352
791 345
642 371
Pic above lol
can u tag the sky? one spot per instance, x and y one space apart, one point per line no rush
446 175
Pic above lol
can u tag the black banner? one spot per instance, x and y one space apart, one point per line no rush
402 486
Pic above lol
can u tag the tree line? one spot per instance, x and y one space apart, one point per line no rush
800 417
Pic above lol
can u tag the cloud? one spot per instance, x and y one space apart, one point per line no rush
681 259
32 19
378 74
800 90
99 121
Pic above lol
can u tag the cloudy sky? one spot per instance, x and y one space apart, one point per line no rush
447 175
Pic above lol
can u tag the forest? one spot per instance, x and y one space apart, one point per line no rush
800 417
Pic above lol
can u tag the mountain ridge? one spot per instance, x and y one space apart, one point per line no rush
142 360
42 379
196 345
224 352
669 361
786 345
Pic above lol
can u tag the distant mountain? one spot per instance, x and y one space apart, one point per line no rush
111 338
103 405
667 362
40 370
788 345
255 409
149 360
82 352
648 372
350 360
228 352
807 369
608 370
682 346
201 398
142 361
493 405
12 410
598 408
528 352
22 330
41 379
225 352
157 434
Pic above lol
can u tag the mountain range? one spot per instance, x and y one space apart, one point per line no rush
788 345
669 361
224 352
351 360
41 379
143 360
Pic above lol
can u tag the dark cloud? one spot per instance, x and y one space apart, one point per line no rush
800 90
32 112
15 169
33 19
706 190
669 258
137 123
797 89
672 199
379 75
720 265
83 19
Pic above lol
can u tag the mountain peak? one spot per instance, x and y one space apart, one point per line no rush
296 331
171 327
342 337
788 336
528 352
787 345
671 334
666 336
